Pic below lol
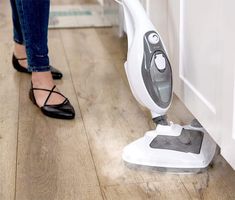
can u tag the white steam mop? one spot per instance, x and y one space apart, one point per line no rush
149 74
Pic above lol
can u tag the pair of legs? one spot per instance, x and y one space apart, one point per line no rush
30 23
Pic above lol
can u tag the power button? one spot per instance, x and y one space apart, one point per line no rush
153 38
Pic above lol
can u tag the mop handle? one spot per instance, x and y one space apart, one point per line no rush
136 19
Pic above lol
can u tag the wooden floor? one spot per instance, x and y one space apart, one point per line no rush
48 159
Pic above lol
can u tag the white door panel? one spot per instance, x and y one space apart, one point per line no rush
227 117
174 41
194 65
199 49
198 65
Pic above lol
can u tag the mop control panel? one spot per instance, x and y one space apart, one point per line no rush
156 70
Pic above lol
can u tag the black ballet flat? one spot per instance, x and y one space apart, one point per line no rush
56 74
60 111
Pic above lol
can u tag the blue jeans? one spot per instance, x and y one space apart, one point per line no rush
30 21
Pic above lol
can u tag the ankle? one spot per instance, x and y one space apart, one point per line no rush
19 50
42 79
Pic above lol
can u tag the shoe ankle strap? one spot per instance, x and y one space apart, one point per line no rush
19 58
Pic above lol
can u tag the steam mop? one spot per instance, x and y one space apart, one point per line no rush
149 74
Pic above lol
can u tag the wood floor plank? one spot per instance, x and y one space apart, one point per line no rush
217 183
9 93
116 46
5 22
54 160
147 191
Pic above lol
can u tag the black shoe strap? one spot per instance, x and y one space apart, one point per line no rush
19 58
50 92
49 95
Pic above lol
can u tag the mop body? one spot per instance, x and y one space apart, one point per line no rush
149 74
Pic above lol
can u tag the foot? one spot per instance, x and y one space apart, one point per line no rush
44 80
20 52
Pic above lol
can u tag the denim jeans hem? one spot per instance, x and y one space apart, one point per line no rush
39 69
18 41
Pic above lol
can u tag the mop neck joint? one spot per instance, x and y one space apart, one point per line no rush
161 120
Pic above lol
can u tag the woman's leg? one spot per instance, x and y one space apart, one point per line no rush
17 32
34 17
19 48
